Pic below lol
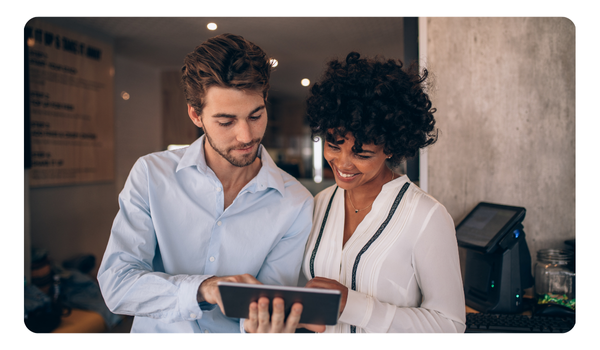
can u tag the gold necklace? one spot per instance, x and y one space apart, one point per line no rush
352 204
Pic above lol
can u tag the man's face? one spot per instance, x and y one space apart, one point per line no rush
234 122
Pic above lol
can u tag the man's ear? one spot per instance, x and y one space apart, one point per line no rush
194 117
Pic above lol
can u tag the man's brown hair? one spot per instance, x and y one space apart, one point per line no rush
228 61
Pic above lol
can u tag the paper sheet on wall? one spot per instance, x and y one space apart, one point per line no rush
71 106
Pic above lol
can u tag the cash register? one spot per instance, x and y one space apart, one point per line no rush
498 270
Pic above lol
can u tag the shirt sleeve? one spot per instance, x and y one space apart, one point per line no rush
437 270
128 280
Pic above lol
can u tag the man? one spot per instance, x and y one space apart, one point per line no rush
219 207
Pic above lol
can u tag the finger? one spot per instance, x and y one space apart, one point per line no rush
221 306
294 318
251 279
247 278
318 328
317 284
278 316
251 323
264 323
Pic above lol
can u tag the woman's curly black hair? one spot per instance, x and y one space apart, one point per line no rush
377 101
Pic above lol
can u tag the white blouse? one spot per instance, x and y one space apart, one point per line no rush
402 260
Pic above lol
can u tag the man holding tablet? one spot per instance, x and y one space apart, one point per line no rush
218 210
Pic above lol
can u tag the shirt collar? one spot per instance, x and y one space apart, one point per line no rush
194 155
268 176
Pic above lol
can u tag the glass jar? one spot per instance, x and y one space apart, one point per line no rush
555 277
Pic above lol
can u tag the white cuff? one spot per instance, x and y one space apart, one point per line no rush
358 309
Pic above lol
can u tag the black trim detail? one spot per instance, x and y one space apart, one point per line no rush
314 252
375 236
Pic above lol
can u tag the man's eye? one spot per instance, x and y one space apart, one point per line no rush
225 124
255 117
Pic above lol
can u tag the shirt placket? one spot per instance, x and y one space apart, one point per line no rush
219 227
212 256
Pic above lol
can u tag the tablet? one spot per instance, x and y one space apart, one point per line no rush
319 306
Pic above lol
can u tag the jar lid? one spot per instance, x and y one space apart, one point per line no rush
557 255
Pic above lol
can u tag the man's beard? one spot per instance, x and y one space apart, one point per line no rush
226 154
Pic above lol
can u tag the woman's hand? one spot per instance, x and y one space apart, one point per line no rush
259 320
326 283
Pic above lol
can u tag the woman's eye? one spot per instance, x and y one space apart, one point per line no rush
332 146
362 157
256 117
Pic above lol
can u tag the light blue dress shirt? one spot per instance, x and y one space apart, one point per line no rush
171 233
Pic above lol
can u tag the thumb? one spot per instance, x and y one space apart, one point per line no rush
318 328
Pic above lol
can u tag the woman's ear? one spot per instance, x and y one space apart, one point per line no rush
194 117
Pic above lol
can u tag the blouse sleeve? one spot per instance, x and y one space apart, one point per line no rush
437 270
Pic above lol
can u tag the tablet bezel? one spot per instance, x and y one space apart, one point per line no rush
319 306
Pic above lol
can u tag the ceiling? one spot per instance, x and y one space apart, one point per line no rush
302 45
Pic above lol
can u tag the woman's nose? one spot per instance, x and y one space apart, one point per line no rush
344 161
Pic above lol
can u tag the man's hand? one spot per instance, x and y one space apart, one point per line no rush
209 291
260 321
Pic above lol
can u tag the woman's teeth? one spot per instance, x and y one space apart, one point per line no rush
345 175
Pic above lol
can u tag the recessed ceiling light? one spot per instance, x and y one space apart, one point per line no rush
211 26
305 82
125 95
273 62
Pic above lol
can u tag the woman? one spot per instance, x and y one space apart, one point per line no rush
388 246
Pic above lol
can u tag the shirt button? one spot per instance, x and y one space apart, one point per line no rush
212 258
206 331
218 189
219 223
192 315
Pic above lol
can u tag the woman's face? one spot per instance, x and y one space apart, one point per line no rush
352 170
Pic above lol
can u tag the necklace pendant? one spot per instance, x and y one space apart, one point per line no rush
355 211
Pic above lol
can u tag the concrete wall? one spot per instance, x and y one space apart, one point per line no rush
68 220
505 94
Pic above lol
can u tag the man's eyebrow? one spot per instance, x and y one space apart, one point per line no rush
257 109
225 115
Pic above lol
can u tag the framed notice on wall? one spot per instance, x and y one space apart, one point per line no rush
70 80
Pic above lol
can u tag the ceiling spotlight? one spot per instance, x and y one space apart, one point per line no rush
211 26
125 95
273 62
305 82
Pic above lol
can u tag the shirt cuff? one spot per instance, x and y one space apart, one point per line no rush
188 298
357 310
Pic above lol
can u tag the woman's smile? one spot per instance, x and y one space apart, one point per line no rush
346 176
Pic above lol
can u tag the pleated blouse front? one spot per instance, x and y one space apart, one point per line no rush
401 265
